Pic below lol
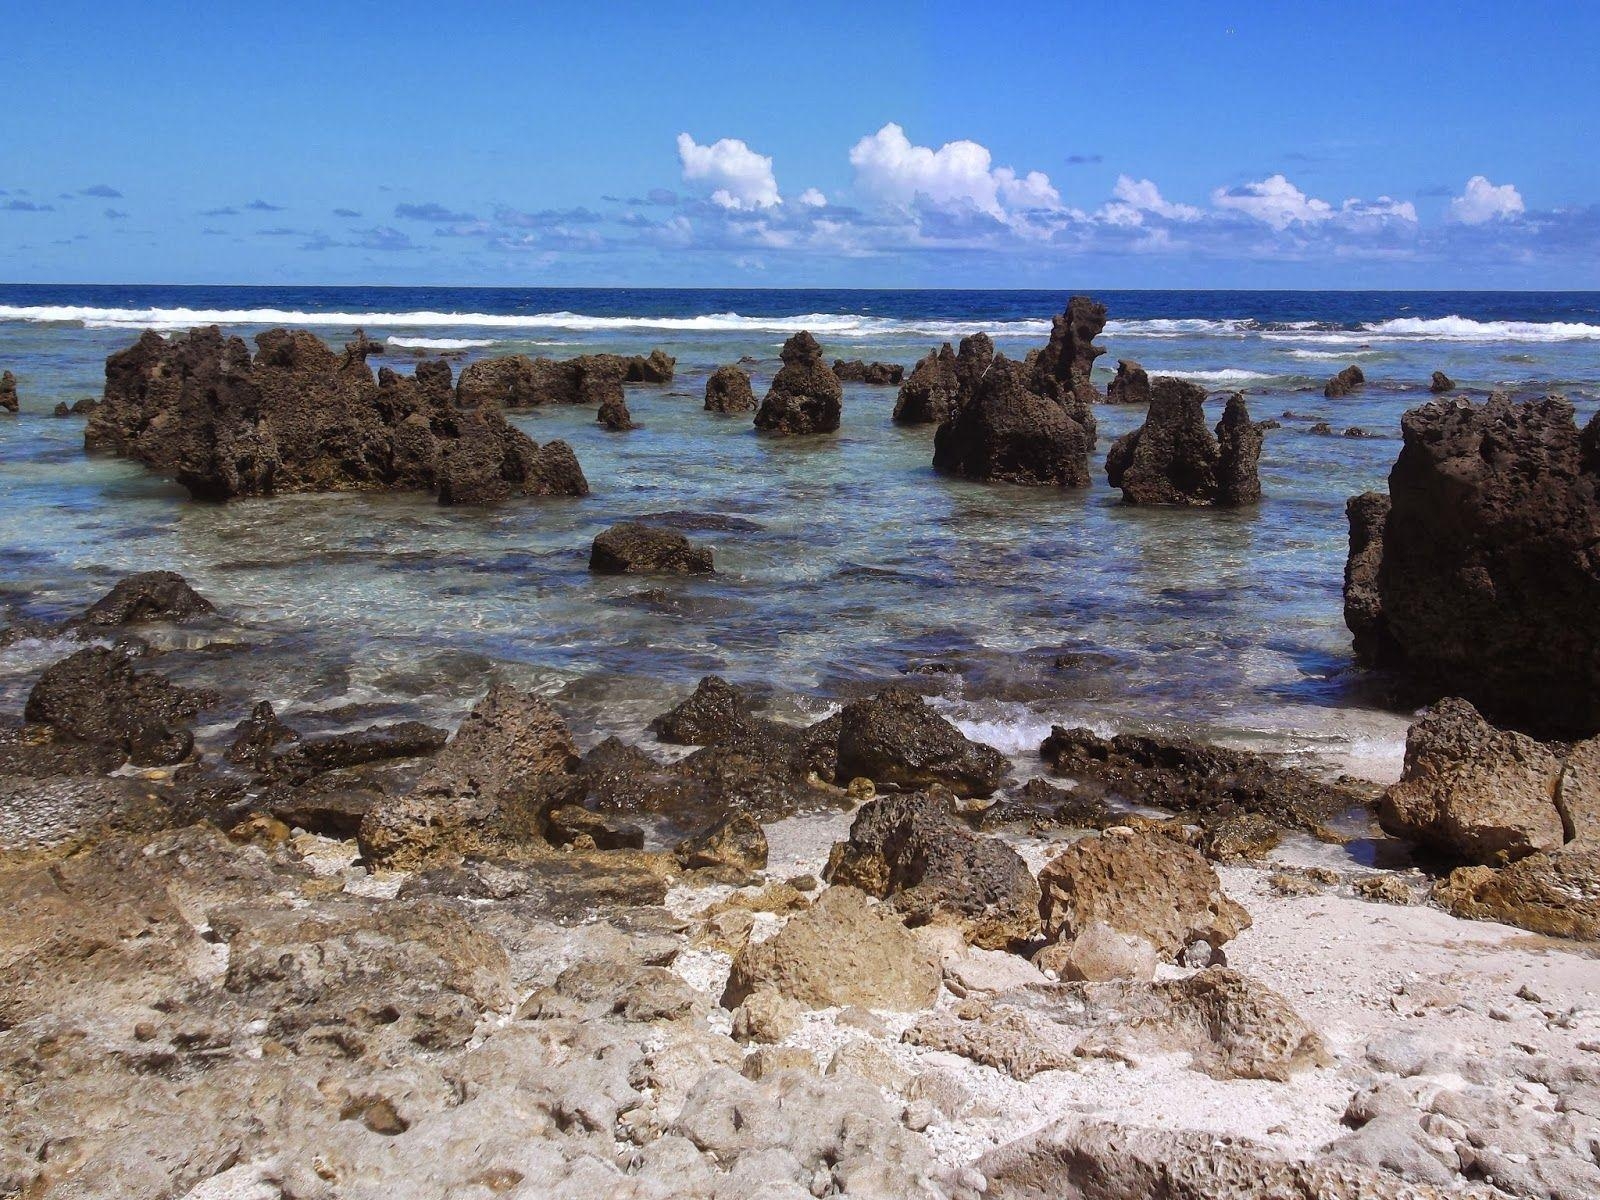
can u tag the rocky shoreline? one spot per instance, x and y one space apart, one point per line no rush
871 962
869 955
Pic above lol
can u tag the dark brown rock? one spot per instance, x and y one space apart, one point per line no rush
1441 383
96 696
1069 357
566 823
879 374
377 743
517 381
728 391
805 396
1008 433
944 381
1172 457
1239 441
633 549
911 851
257 736
147 596
8 392
1131 385
1346 381
299 418
1482 579
896 738
1183 775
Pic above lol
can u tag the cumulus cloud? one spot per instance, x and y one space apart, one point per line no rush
1483 201
1274 201
812 198
959 175
1134 199
737 177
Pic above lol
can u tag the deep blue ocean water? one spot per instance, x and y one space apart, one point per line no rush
865 562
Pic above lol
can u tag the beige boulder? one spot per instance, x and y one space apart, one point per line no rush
478 796
842 950
1138 883
1472 792
1099 953
1557 894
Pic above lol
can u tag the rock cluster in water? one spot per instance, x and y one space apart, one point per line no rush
518 381
637 548
805 396
1173 458
299 418
1477 575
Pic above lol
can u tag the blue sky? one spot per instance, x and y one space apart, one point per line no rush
1352 144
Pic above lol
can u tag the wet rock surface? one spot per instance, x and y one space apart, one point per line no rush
896 738
1479 580
96 696
805 396
8 392
298 417
1441 383
518 381
1186 776
633 548
1350 379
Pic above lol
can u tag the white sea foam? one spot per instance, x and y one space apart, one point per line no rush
836 325
830 325
422 343
1333 355
1223 375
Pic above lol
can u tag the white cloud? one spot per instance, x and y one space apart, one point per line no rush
1382 211
812 198
1484 201
957 176
1133 198
736 175
1274 201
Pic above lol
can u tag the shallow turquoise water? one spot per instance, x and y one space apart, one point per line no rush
864 563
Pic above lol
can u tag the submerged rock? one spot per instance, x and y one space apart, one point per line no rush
805 396
1145 885
1479 579
147 596
613 412
728 391
299 418
895 738
632 549
1346 381
1441 383
8 392
879 374
911 851
1131 385
81 407
1173 458
96 696
737 842
1008 433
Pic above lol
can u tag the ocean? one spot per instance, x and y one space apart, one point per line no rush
850 563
